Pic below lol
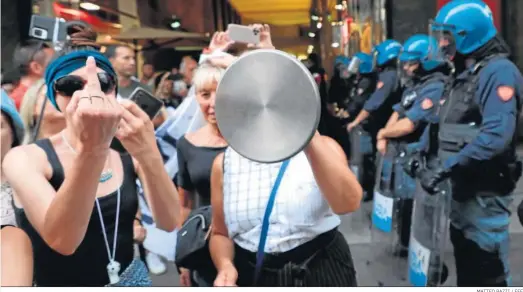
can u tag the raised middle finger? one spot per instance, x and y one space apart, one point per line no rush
93 84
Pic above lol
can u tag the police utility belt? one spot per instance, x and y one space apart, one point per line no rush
493 177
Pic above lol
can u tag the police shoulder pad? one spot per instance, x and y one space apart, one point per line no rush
505 92
427 104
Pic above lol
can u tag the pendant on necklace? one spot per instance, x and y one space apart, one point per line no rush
106 175
113 269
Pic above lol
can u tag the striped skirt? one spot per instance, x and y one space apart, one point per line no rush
325 261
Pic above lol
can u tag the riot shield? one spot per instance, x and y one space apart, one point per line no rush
362 162
430 225
404 185
384 230
404 190
361 145
383 210
362 165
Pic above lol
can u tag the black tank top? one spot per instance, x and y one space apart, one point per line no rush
87 266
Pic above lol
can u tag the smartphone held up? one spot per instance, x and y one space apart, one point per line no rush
146 101
243 34
48 29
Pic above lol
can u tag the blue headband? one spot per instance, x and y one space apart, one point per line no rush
9 108
69 63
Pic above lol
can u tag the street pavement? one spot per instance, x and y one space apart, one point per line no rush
374 270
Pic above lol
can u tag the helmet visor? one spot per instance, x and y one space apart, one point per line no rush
446 49
408 67
344 71
374 59
354 66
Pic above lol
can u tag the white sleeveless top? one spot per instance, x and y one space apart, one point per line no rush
300 211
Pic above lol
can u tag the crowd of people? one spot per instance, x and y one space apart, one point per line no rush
428 126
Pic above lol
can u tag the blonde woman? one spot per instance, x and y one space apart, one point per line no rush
31 112
196 152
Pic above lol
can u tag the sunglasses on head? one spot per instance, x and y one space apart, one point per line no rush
68 84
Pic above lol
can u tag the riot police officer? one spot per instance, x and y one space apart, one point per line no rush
427 78
338 92
364 80
378 108
476 142
339 83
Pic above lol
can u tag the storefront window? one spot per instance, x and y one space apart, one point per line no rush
367 26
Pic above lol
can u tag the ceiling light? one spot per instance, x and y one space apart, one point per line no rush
314 17
335 45
89 6
318 25
175 24
311 34
338 7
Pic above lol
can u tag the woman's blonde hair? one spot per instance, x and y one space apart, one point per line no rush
27 110
206 74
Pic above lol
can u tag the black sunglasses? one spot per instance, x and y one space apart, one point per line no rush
67 85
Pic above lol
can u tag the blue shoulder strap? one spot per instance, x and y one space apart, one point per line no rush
265 223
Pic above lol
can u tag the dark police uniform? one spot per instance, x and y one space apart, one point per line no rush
363 145
476 145
361 89
388 93
379 106
418 104
339 91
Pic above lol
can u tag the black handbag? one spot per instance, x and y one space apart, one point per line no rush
192 243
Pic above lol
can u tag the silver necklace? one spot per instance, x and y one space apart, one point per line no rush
106 174
113 267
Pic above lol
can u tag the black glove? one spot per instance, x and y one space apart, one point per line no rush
412 165
430 178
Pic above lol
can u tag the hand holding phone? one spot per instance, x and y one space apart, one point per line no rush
136 132
146 101
220 42
264 32
48 29
243 34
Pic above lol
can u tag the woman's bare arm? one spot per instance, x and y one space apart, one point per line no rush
337 183
186 205
221 246
17 258
60 217
159 191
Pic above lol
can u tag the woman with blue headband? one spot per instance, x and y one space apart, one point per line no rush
80 203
